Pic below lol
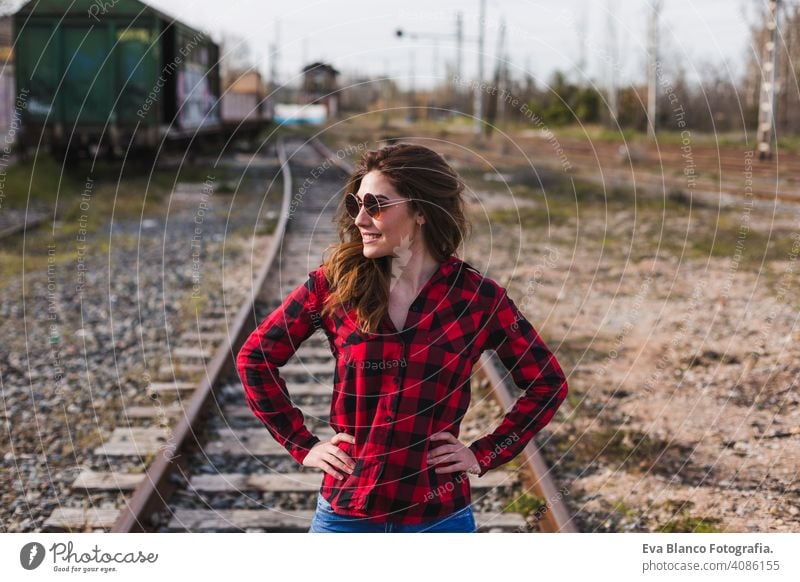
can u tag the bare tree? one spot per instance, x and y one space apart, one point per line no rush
236 54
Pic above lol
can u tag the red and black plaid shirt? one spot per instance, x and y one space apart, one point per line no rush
393 389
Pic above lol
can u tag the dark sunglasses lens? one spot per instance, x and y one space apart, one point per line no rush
372 205
351 205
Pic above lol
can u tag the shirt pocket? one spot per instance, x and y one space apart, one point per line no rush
449 366
440 487
348 448
356 454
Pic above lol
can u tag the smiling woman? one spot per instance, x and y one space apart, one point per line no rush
391 198
391 292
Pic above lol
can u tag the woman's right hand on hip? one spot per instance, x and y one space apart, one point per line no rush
326 455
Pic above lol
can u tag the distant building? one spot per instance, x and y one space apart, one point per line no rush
244 96
320 87
292 113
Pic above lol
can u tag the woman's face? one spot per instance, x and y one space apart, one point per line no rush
397 226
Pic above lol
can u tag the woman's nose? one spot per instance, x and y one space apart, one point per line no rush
362 218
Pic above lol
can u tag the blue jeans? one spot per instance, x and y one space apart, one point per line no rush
325 520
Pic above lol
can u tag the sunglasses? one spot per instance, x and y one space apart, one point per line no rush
371 204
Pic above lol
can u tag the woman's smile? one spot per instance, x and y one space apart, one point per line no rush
369 237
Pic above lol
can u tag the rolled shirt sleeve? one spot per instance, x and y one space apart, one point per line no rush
535 370
268 348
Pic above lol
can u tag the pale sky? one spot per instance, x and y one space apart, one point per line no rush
542 35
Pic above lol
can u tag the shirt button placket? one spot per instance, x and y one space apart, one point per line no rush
396 398
398 381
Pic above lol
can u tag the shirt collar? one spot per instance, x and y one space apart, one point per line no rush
446 267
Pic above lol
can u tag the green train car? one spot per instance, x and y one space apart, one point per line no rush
113 75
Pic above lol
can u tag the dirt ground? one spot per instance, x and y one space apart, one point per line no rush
673 311
683 363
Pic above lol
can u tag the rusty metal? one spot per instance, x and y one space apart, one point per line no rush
556 516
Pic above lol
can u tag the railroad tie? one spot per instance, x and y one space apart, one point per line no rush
77 519
192 353
297 482
311 411
144 441
81 519
158 389
199 520
307 369
180 369
195 337
251 441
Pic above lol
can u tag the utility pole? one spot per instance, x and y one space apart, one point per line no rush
412 112
766 105
506 83
385 95
459 59
478 113
495 100
611 40
459 43
273 59
582 27
436 81
436 37
652 80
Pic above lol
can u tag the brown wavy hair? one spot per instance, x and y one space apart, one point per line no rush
435 188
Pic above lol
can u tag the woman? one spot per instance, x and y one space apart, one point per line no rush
406 321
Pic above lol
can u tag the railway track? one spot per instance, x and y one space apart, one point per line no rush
712 172
14 222
714 168
210 464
